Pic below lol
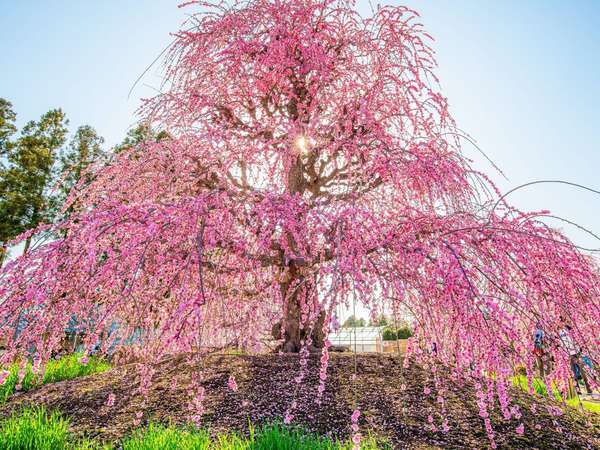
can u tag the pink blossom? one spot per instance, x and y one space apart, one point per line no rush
516 413
110 401
3 376
520 429
232 383
445 427
138 418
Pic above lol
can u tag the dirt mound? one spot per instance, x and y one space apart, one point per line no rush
391 399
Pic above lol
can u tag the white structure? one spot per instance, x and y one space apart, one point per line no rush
361 339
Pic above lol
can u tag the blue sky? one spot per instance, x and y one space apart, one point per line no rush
522 78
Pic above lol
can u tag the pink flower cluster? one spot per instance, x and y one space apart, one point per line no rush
356 437
110 401
232 383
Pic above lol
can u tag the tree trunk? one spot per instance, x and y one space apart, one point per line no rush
294 337
3 253
27 245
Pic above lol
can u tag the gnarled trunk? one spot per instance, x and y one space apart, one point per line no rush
295 332
27 245
294 285
3 253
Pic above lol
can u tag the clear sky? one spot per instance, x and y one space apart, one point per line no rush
522 77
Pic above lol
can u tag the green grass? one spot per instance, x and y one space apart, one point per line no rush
270 437
34 429
538 386
588 406
37 429
66 368
540 389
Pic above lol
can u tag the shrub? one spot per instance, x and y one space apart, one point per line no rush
391 334
404 333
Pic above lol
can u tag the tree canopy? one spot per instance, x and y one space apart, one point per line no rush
312 162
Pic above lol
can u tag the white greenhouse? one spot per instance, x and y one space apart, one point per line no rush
359 339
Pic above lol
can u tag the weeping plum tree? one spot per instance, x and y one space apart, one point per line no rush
311 163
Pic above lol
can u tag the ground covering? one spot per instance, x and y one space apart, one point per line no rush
394 402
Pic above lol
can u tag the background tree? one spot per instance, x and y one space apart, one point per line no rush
380 320
352 322
29 173
391 333
8 207
141 133
85 148
7 125
312 163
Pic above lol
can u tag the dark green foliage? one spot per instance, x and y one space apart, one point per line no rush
7 125
37 173
8 207
391 334
140 134
85 148
27 172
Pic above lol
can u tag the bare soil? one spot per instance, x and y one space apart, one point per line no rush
267 388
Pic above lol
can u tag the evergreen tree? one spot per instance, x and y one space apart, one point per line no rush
143 132
7 200
27 178
352 322
7 125
85 148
